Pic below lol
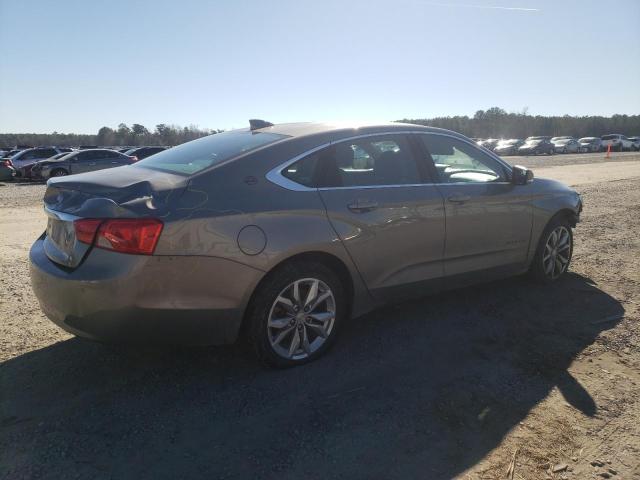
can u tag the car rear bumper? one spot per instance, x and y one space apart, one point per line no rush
151 299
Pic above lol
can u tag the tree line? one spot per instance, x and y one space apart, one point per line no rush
497 123
492 123
124 135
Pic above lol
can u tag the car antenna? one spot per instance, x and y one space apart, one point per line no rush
255 124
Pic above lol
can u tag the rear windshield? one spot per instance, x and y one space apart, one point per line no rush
193 157
610 137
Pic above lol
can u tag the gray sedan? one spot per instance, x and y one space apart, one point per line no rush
79 162
285 232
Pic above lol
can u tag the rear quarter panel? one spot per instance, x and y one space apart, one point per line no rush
216 206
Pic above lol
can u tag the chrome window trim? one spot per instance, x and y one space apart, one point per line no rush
275 174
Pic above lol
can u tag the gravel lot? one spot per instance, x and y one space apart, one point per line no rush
456 385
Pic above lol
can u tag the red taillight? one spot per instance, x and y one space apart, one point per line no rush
133 158
124 235
8 163
86 229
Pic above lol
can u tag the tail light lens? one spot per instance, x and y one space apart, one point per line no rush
125 235
133 158
86 229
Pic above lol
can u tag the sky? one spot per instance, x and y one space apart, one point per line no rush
73 66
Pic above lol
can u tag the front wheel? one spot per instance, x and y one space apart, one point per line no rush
295 315
555 248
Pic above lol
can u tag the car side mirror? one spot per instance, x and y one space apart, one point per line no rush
521 175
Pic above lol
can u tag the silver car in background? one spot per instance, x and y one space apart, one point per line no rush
590 144
284 232
79 162
566 145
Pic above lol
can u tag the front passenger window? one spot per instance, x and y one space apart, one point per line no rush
457 161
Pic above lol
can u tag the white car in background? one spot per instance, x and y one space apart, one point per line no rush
636 143
618 142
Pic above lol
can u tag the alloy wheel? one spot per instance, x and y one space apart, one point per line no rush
301 318
557 252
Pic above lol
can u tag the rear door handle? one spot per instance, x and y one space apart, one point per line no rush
459 198
362 206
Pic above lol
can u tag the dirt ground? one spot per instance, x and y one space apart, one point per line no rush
471 384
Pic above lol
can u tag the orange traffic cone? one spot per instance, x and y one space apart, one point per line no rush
608 151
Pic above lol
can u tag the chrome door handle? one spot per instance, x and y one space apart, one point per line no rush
362 206
459 198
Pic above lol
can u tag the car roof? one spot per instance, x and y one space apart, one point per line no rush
303 129
93 150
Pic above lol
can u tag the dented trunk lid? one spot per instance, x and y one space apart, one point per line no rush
123 192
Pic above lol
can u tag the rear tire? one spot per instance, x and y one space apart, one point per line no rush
555 248
286 331
59 172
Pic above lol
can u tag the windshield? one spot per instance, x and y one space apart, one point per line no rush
562 141
587 139
610 137
533 142
193 157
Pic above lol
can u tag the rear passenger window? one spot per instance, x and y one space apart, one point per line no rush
303 171
370 161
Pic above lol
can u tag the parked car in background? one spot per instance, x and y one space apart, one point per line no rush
566 145
537 146
7 172
11 153
617 142
508 147
590 144
143 152
489 143
23 160
636 143
79 162
88 147
124 149
181 247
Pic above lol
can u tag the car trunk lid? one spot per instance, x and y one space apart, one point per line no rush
123 192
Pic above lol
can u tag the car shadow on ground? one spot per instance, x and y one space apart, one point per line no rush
420 390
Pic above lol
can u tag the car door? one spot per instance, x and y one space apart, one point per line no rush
488 219
83 162
386 211
114 159
102 159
